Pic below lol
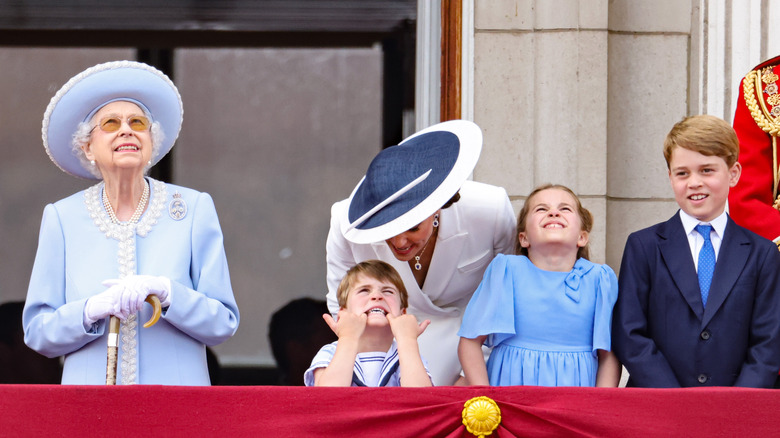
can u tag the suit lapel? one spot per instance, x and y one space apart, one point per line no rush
732 257
677 255
445 261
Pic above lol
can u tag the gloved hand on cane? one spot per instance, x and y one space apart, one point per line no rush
115 300
126 295
143 285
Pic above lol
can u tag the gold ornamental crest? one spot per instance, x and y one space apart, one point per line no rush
481 416
760 91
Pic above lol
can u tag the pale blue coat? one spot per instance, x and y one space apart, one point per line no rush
76 252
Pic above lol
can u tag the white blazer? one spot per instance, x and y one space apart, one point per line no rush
472 231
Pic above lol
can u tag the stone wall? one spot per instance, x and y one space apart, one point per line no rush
583 93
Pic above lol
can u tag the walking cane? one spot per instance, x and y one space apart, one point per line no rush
113 337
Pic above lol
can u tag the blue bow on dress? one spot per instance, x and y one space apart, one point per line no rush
581 267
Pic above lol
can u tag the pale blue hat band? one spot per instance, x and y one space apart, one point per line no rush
118 99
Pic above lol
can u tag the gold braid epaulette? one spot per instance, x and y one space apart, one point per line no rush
750 89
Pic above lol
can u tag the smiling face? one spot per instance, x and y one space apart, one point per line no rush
701 183
121 149
375 298
552 219
409 243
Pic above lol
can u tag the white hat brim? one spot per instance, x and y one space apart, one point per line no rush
470 139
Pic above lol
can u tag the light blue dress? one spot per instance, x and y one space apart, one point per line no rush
178 237
544 327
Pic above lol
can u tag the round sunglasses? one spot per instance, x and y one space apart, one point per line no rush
113 123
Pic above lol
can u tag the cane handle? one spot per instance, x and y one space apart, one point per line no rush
155 302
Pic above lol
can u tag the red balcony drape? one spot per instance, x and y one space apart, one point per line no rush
274 411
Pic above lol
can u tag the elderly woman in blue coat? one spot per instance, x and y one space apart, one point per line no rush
103 250
416 210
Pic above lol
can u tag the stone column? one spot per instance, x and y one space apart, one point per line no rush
647 95
540 95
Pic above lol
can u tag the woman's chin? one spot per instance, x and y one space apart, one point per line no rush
124 166
403 256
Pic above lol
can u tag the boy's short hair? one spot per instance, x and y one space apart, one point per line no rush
705 134
376 269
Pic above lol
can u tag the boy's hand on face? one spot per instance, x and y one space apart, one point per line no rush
406 326
349 325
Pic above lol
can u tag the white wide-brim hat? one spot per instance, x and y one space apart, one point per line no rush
84 94
405 184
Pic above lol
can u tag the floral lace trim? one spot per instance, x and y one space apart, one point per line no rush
125 233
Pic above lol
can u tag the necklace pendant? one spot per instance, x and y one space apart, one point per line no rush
417 264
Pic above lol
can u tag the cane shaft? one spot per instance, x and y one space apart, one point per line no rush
113 343
113 338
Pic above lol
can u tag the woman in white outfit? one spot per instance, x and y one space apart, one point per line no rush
416 210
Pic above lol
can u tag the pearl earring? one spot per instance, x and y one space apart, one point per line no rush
92 162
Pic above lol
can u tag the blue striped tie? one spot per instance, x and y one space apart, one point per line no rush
706 262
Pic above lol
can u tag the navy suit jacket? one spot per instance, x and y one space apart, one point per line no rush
663 334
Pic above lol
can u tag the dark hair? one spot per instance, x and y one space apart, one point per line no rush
585 217
11 322
455 198
295 321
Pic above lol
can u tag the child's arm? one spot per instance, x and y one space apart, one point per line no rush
348 328
406 330
608 375
472 360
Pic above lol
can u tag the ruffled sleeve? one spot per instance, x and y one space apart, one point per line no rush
491 310
606 295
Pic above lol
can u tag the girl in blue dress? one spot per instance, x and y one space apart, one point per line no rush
547 311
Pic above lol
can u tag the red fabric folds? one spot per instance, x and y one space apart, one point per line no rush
274 411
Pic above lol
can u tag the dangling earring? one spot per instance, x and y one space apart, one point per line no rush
436 220
92 162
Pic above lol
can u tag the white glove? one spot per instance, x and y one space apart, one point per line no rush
107 303
144 285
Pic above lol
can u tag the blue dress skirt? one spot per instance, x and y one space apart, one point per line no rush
544 327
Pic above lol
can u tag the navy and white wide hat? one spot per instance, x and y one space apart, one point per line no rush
405 184
84 94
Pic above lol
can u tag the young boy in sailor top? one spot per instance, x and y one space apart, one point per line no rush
377 339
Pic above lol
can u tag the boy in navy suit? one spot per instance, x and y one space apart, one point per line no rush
699 299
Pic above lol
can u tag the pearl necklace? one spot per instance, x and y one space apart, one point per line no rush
139 210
